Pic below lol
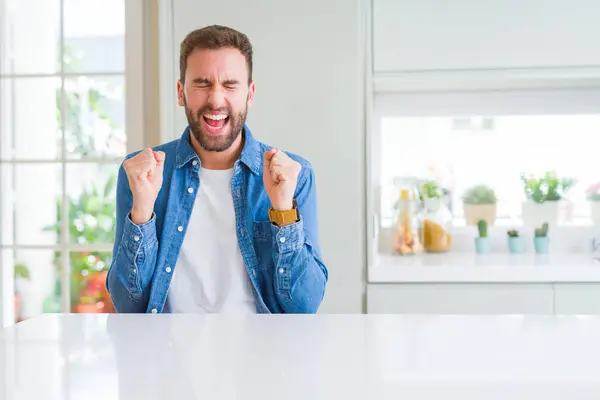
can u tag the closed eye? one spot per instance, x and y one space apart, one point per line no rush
201 82
231 84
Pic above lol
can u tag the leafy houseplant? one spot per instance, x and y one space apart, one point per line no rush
92 220
541 240
431 190
482 243
479 202
516 243
88 132
543 194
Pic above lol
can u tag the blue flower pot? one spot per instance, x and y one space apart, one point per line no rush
541 244
482 245
516 245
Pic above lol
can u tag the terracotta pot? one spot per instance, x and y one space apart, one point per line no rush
475 212
89 308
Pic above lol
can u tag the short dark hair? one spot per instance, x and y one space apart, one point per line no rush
214 37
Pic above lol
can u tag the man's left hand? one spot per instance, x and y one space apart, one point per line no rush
280 177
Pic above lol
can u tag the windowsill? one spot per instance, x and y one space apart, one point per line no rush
487 268
505 222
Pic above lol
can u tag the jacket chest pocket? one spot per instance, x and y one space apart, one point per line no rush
263 244
262 231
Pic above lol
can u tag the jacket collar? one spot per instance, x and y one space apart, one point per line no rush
251 154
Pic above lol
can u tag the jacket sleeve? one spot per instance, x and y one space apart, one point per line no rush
134 255
300 274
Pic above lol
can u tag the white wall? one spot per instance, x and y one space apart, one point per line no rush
309 71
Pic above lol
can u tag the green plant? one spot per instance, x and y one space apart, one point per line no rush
547 187
543 231
479 194
92 220
482 228
92 215
430 190
21 271
513 233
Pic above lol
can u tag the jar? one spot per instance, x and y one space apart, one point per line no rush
405 237
435 226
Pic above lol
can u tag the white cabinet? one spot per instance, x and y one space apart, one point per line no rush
478 298
577 298
464 34
483 298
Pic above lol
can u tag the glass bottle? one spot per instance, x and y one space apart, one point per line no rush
435 227
405 236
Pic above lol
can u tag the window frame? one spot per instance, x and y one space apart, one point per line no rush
427 93
133 76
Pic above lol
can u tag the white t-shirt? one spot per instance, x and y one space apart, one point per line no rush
210 276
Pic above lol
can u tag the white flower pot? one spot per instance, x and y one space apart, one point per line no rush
535 214
595 212
476 212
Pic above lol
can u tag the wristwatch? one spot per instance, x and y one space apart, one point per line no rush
286 217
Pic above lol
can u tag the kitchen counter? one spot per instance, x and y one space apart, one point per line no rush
329 357
485 268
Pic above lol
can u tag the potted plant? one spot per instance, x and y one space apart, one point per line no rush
482 243
516 243
91 298
92 220
593 196
20 272
543 195
479 202
541 240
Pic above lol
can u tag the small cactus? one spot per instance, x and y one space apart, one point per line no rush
543 231
482 227
513 233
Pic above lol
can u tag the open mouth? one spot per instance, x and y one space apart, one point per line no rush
215 123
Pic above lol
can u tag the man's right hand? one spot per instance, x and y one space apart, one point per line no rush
145 176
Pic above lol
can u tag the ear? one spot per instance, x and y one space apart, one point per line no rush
251 89
180 94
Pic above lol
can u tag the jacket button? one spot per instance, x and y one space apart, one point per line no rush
154 311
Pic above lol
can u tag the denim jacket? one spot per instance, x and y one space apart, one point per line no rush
284 264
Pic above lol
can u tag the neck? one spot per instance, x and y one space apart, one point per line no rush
218 159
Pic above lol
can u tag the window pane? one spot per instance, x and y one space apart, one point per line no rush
91 190
29 36
29 118
95 117
94 36
88 282
460 152
37 281
29 204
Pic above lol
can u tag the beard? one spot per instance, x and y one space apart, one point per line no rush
210 142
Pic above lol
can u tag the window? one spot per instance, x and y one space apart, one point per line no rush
62 138
463 139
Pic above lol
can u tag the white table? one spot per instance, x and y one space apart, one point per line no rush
301 357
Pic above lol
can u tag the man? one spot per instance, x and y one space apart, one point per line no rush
215 221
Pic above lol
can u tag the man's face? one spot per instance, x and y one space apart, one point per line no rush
216 96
